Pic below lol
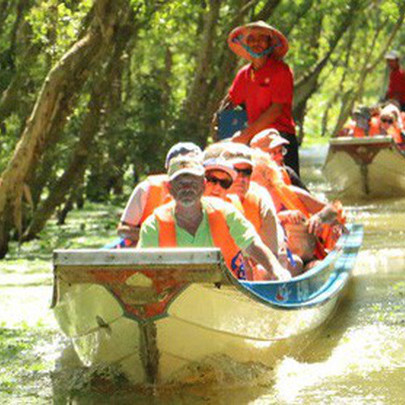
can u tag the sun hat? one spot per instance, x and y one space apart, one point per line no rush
392 55
182 148
268 138
237 40
220 164
237 153
185 165
362 111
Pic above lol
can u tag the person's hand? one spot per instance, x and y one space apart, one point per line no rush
126 231
291 217
314 224
281 274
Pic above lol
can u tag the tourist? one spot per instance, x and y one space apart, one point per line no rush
149 194
270 141
192 220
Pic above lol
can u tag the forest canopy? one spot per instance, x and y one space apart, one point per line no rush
93 93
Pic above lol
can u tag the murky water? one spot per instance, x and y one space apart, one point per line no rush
357 358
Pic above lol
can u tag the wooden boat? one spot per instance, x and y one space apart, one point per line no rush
366 167
158 315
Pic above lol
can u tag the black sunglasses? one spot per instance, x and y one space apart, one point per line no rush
387 120
244 172
224 183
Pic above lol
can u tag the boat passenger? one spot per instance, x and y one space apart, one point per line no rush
391 122
219 177
265 86
258 206
312 226
396 86
149 194
362 124
270 141
192 220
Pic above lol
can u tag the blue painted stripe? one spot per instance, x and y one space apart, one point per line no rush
316 286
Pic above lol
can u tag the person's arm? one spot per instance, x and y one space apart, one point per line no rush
246 237
270 230
312 203
263 255
328 215
390 90
263 122
280 94
129 225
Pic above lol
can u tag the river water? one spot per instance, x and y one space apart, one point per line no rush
358 357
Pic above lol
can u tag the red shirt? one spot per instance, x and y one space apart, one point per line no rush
273 83
396 88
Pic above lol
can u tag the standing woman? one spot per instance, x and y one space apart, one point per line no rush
265 85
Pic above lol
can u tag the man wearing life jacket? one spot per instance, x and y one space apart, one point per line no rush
192 220
396 86
150 194
305 218
270 141
361 122
265 86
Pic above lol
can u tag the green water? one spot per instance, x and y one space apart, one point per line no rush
357 358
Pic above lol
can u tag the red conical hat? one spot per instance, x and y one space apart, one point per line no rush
239 34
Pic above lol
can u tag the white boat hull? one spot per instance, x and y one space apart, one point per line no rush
163 315
366 167
202 322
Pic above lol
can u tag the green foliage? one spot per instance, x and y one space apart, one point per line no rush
157 75
55 24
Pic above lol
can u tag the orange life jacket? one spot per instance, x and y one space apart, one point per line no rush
251 205
374 126
285 176
287 197
395 133
221 236
330 233
158 194
358 132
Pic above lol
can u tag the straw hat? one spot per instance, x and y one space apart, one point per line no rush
237 40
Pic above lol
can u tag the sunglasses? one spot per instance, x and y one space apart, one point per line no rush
282 151
387 120
244 172
224 183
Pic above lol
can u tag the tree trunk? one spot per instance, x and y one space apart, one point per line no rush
197 97
54 104
101 95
